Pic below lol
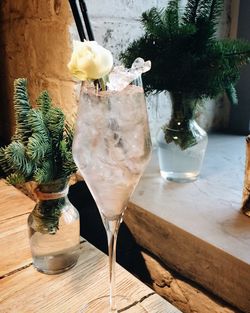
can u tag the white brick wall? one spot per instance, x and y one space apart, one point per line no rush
117 22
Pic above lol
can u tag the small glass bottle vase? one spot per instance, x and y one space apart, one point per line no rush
54 229
181 143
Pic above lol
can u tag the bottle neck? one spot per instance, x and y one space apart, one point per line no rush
46 196
51 198
55 186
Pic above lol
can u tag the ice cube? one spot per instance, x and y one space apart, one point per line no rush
140 66
121 77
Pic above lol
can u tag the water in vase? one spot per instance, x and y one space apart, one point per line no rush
53 254
181 165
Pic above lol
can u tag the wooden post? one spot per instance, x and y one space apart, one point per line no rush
246 188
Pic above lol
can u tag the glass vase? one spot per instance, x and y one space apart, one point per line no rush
181 142
54 229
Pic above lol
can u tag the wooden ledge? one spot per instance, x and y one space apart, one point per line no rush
197 228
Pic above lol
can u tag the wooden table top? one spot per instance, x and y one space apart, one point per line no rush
25 290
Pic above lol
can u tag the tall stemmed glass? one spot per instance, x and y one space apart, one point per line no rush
111 148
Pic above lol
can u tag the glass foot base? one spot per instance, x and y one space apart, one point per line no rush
101 305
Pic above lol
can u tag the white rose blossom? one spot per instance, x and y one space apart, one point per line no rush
90 61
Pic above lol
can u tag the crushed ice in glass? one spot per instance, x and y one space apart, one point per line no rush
121 77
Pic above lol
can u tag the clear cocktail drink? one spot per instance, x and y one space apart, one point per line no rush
111 148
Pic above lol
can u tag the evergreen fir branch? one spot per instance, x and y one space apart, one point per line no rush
5 167
55 124
17 159
191 12
170 18
45 173
22 108
158 22
69 166
236 50
206 21
15 154
173 7
192 61
67 159
232 94
69 134
44 102
37 147
152 22
37 124
35 151
39 143
239 53
15 179
216 8
66 151
204 10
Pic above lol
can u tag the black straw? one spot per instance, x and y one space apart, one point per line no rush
83 8
78 20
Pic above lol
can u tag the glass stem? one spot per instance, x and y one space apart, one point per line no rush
112 227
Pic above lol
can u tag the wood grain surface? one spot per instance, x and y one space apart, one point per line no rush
13 202
30 291
24 290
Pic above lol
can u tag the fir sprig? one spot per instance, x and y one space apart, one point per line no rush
41 146
39 143
44 102
186 56
22 107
